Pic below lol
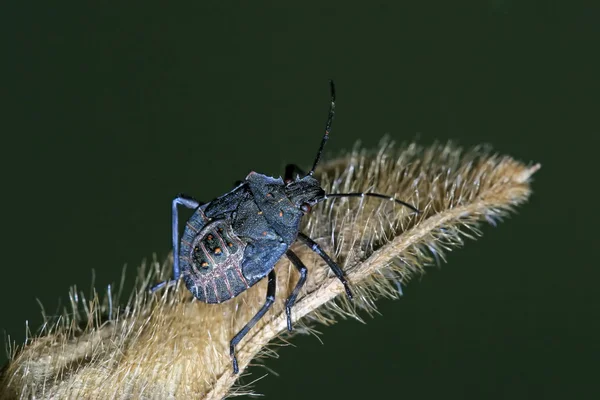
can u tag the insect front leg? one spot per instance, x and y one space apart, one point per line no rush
334 267
271 287
291 170
188 202
292 299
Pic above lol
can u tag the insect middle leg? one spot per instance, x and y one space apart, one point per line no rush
271 288
334 267
189 202
289 303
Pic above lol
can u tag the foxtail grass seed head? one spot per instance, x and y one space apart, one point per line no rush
169 346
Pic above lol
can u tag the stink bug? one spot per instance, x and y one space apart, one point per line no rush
234 241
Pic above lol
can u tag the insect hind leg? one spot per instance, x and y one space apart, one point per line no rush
163 284
271 288
188 202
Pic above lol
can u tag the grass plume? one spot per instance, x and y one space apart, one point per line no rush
167 345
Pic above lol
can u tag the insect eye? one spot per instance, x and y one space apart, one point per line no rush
305 208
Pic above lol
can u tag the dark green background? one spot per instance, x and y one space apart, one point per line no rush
109 111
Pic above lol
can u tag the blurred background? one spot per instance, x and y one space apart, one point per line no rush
108 112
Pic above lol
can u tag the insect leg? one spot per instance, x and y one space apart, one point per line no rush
272 282
334 267
292 299
189 202
291 170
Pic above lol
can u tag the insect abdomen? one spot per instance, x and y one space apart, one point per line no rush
211 261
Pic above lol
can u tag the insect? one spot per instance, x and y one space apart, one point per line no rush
234 241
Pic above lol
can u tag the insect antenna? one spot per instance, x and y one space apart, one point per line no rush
378 195
327 128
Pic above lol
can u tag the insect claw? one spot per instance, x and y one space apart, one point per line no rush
234 360
348 291
288 311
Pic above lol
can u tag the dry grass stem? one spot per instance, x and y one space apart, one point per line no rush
168 346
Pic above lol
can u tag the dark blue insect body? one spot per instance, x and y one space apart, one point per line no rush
234 241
